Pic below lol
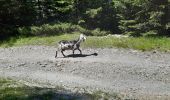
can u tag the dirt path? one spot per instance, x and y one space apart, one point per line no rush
137 74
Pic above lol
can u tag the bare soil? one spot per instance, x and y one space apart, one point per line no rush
133 74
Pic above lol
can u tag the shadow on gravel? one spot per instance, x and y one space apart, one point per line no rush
82 55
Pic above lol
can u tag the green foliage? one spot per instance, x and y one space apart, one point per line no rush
133 17
47 29
22 13
97 14
138 17
58 29
92 13
98 32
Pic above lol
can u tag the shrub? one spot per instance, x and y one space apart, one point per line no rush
58 29
98 32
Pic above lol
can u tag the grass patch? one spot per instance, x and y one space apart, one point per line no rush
11 90
138 43
100 95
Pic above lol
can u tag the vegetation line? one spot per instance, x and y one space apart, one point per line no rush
138 43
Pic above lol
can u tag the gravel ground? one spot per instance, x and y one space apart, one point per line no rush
134 74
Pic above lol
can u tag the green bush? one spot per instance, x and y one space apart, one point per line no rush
58 29
98 32
47 29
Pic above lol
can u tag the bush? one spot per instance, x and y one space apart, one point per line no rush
58 29
98 32
47 29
